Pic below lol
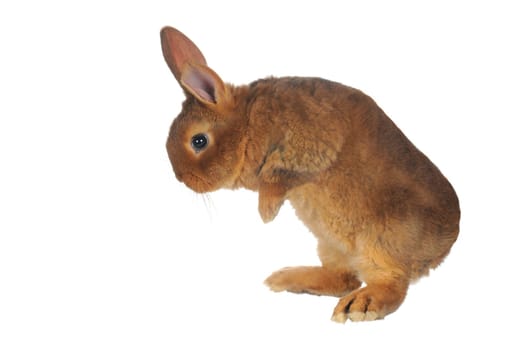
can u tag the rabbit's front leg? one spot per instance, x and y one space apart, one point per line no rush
275 180
271 198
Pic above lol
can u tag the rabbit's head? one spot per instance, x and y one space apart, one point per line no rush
206 140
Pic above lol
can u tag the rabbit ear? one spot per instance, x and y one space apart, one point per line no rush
178 50
189 68
203 83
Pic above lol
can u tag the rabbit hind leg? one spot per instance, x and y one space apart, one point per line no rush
333 278
317 280
385 290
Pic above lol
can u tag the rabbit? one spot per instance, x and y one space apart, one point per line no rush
382 212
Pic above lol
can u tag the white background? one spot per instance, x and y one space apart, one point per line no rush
101 247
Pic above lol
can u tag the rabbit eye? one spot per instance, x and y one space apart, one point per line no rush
199 142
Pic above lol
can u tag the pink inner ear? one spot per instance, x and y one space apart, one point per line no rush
205 95
200 83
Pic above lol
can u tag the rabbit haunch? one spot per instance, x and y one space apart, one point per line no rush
382 212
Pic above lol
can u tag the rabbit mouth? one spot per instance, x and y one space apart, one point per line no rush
197 183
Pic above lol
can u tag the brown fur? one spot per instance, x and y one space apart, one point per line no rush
383 214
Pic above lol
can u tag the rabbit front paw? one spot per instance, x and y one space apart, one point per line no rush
269 207
271 198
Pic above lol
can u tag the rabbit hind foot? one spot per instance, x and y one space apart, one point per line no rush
316 280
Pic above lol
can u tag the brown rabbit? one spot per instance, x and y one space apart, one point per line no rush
383 214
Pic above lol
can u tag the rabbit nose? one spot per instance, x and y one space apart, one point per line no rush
178 174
